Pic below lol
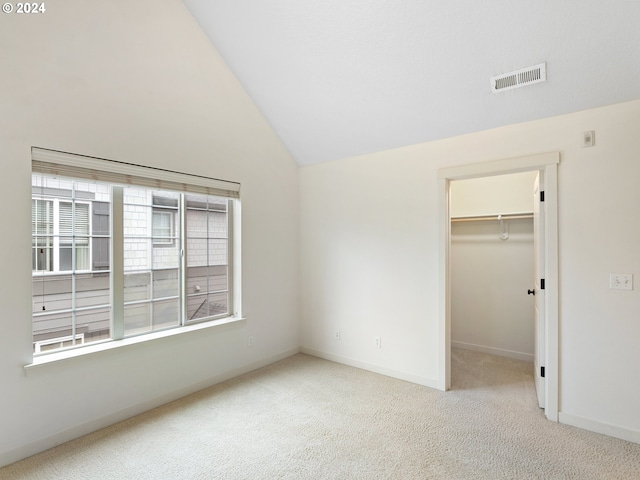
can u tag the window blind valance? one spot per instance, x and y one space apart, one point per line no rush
51 162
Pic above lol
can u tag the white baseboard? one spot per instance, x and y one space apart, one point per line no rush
77 431
493 351
409 377
616 431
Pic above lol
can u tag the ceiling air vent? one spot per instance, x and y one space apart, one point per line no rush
519 78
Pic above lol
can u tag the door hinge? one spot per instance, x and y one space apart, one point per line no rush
542 284
542 372
542 195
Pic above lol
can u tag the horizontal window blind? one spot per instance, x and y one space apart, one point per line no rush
69 165
42 217
78 228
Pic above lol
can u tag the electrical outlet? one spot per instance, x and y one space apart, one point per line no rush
377 342
250 341
621 281
337 334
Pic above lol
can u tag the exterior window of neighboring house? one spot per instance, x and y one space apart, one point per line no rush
60 235
41 235
127 255
163 227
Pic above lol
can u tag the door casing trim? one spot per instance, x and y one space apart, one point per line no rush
548 164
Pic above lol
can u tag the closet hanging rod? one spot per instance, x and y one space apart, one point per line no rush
507 216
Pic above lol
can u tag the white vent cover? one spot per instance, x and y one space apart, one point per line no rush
519 78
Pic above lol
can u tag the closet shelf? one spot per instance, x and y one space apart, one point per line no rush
485 218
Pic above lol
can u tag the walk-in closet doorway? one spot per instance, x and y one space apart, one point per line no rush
491 267
487 304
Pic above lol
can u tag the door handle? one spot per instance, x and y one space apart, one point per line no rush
531 292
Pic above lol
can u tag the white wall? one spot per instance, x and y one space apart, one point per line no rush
136 82
490 309
369 247
492 195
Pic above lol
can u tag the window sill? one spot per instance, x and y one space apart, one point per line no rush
52 358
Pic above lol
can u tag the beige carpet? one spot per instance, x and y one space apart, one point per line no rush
306 418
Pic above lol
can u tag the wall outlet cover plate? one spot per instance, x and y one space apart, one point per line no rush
621 281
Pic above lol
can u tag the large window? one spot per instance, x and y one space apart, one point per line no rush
118 253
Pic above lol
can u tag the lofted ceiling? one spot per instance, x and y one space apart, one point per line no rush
338 78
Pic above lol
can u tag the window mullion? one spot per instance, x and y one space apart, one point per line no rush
73 232
90 237
150 251
232 310
74 299
182 215
56 235
208 262
117 263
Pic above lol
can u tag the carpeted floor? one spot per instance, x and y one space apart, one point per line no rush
306 418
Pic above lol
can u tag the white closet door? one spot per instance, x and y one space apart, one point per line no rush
539 292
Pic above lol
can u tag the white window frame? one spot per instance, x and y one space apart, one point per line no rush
55 244
164 240
49 245
65 165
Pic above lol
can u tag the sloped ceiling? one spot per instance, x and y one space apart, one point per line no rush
338 78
